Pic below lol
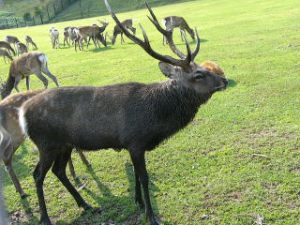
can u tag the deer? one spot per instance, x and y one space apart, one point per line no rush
5 55
132 116
25 65
9 109
6 45
87 33
128 23
12 40
69 35
172 22
21 48
54 35
29 42
99 34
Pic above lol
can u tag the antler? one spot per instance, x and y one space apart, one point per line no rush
145 44
169 35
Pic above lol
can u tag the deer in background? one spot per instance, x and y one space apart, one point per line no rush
87 33
5 55
29 42
21 48
54 35
9 109
172 22
6 45
132 116
25 65
11 40
128 24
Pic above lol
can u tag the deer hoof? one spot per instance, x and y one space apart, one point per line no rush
24 195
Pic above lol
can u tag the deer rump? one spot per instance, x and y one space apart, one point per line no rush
118 116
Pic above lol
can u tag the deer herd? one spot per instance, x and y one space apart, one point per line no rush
132 116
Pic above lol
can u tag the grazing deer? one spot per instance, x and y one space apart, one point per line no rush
172 22
29 42
89 32
25 65
9 109
5 55
21 48
99 34
11 40
54 35
6 45
132 116
128 24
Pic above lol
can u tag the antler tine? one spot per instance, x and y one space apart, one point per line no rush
146 44
196 51
188 48
167 33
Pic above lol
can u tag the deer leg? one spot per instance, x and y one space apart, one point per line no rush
138 160
182 32
122 39
27 82
14 178
42 78
95 42
59 169
43 166
17 80
46 71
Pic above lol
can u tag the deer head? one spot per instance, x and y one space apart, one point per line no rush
184 70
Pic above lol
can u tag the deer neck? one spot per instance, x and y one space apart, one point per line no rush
178 101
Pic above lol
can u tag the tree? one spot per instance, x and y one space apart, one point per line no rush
27 17
39 12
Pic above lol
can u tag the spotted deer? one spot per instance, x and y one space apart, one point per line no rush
172 22
5 55
6 45
29 42
128 24
21 48
25 65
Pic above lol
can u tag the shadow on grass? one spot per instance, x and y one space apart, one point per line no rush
112 206
18 217
101 49
231 83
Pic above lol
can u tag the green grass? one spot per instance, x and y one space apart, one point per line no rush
239 158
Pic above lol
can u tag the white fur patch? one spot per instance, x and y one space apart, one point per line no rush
43 59
22 121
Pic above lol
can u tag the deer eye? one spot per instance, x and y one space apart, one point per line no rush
199 76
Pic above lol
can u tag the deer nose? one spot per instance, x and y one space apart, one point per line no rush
225 81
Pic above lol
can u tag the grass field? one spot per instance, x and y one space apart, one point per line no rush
238 161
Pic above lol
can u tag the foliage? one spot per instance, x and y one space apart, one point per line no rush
27 16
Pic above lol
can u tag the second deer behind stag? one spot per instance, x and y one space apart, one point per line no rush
172 22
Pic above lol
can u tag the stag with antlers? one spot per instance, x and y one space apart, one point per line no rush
132 116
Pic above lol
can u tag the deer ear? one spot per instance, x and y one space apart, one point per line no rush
167 69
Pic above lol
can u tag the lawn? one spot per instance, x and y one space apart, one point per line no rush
236 163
